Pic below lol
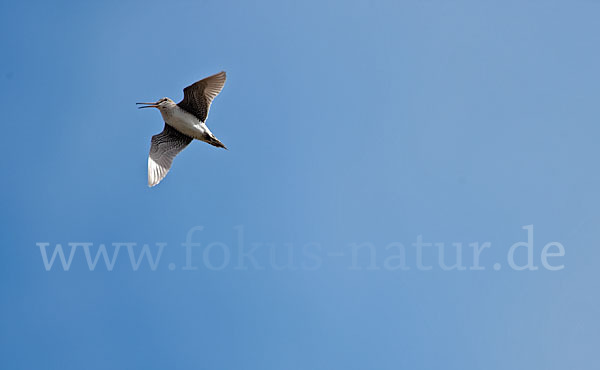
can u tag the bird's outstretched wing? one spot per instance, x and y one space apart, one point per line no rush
198 96
165 146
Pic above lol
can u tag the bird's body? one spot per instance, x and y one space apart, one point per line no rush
184 122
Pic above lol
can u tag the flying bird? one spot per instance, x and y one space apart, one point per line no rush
184 122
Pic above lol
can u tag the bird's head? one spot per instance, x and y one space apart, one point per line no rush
161 104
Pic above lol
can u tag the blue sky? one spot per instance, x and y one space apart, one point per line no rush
346 122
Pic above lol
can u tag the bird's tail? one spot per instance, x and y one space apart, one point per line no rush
214 141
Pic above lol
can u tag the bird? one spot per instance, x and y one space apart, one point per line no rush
184 122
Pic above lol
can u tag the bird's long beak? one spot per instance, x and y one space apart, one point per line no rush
148 105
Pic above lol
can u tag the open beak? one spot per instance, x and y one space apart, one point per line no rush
148 105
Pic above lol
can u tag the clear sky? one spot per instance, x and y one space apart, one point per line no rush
352 127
